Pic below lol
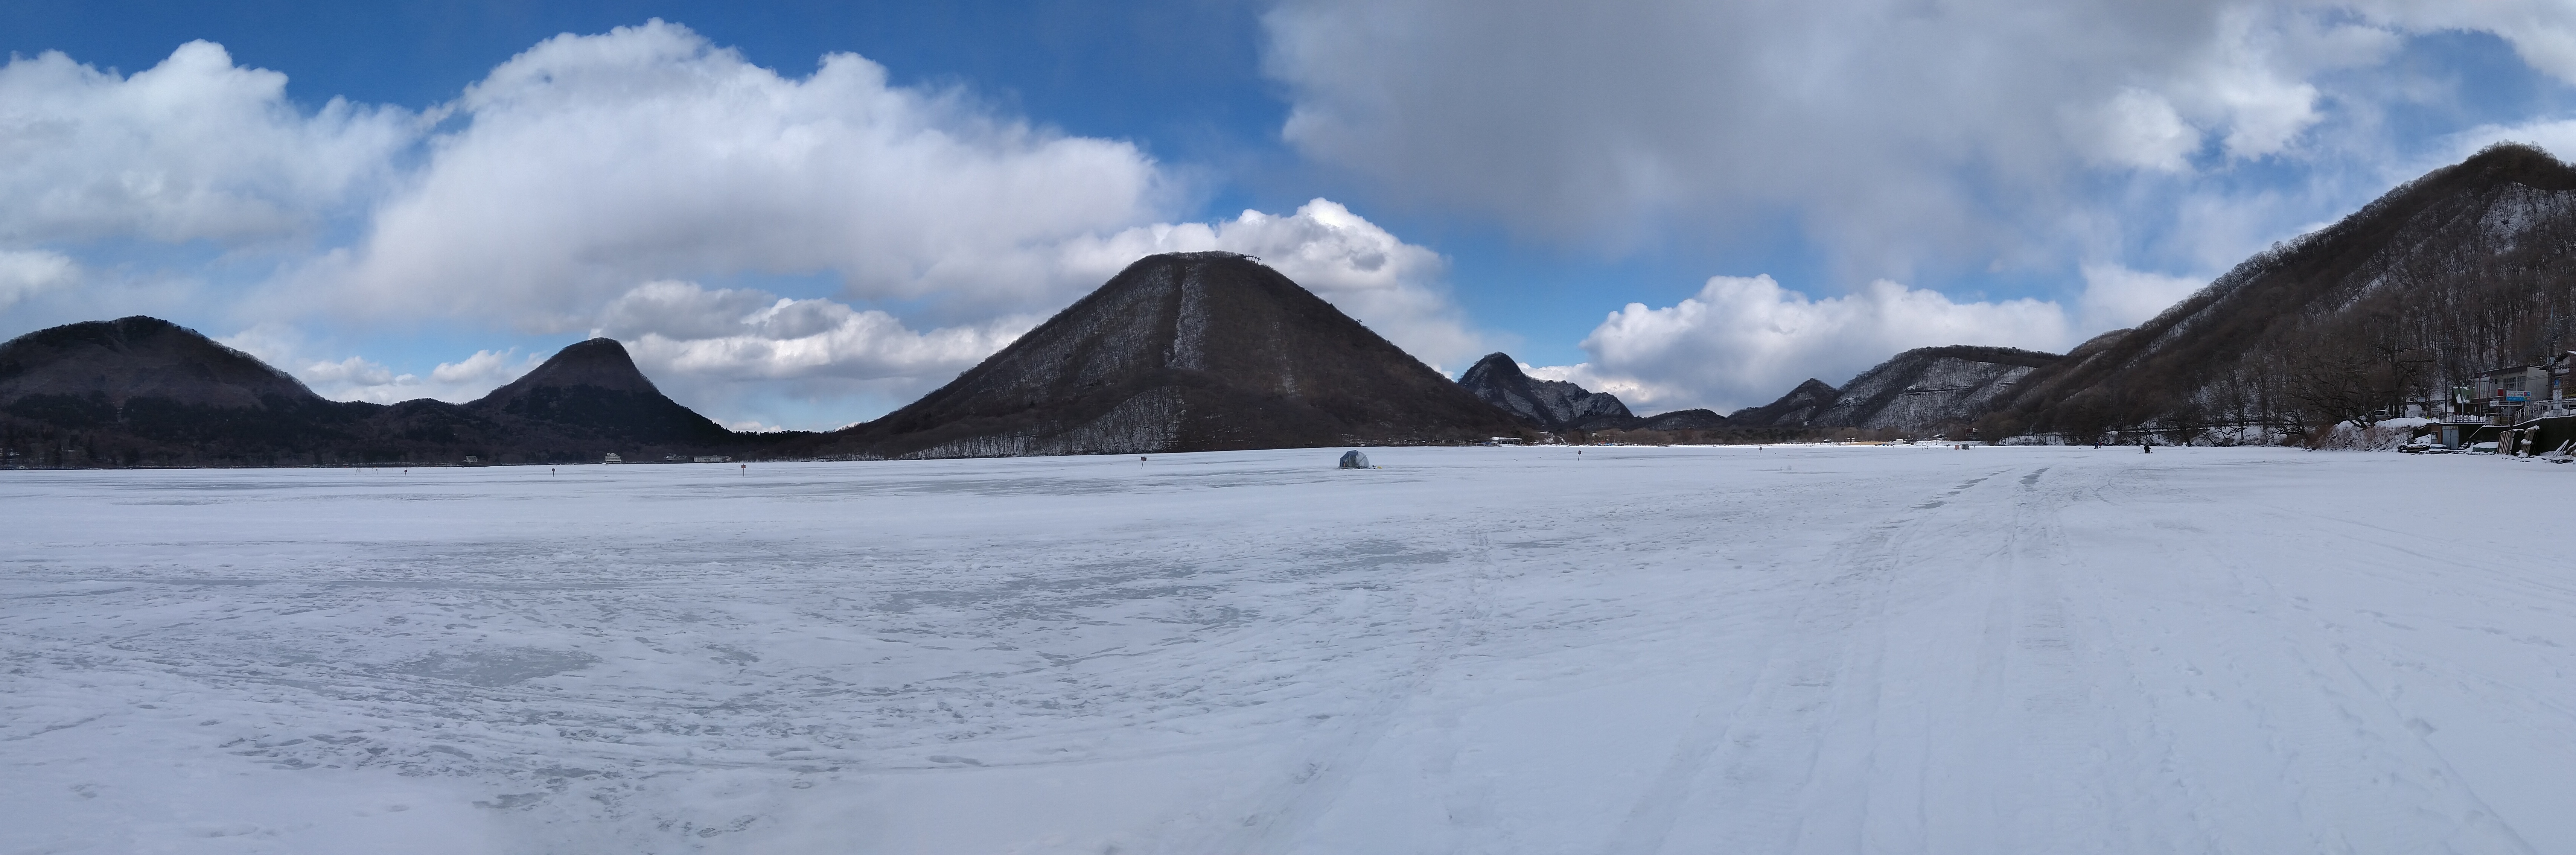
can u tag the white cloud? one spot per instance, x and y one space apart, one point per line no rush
590 163
357 378
2542 32
1745 341
483 372
25 273
2139 128
1960 136
2117 297
748 357
2558 137
693 333
193 148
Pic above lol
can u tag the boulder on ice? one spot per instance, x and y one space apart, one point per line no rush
1353 459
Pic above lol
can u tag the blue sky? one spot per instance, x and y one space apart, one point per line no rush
1687 206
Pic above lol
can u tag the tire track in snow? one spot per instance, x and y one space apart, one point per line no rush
1764 740
2258 688
2361 777
1319 782
2066 746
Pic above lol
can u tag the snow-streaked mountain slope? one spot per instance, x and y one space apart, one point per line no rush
1918 649
1928 387
1549 404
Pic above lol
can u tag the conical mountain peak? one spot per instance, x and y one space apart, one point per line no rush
1495 366
601 362
595 385
1792 410
1186 351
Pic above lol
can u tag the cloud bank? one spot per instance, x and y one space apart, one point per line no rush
357 378
589 164
1897 135
194 148
1743 341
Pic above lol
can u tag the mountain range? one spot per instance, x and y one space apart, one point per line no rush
1181 352
142 390
2468 268
1922 389
1559 406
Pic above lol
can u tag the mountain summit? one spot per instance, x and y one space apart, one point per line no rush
1795 409
1553 405
595 386
1198 351
112 362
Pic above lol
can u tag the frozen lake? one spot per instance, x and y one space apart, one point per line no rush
1827 650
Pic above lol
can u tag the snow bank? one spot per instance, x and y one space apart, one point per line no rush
2384 436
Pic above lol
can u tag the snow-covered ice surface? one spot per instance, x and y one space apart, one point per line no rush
2033 650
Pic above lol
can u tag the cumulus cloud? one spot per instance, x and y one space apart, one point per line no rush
2542 32
2557 136
25 273
590 163
194 148
743 350
2137 128
2117 297
357 378
1744 341
744 334
1897 134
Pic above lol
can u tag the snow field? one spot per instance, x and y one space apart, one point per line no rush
1809 649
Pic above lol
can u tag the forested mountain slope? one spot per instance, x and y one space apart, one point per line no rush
2469 268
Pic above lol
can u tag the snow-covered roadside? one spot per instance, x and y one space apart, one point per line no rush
1510 649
